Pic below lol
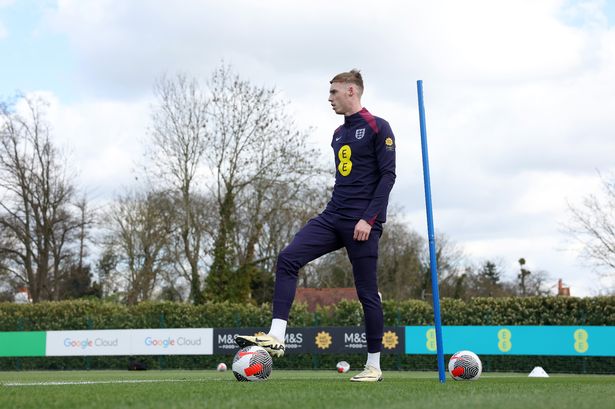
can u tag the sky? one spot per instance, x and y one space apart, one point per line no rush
519 98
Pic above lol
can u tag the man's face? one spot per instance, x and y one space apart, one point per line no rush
339 97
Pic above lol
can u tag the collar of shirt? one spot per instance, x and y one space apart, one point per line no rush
355 119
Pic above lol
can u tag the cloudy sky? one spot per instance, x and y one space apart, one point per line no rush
520 96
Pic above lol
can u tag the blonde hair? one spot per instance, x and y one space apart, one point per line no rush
351 77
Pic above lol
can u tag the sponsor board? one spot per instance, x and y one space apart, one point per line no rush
320 340
515 340
496 340
353 339
27 343
297 340
176 341
86 343
172 341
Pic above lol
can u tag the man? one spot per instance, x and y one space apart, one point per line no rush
364 149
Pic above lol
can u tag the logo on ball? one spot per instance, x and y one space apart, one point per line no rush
252 363
465 366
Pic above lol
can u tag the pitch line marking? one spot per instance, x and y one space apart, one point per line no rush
127 381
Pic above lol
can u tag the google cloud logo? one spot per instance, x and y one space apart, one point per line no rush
170 342
89 343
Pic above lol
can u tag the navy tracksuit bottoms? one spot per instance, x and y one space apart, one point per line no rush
323 234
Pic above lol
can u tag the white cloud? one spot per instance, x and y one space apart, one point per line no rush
3 30
518 96
128 43
102 139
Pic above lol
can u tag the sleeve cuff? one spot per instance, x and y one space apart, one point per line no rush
369 220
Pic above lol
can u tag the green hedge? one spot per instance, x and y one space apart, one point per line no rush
81 314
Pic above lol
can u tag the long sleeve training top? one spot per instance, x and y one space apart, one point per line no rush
364 149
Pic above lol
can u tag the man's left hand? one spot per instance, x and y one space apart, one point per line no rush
362 230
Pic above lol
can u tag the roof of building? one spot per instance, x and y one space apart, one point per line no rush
324 296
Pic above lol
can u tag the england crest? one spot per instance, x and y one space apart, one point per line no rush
360 133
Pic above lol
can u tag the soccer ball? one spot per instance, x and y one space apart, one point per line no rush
252 363
221 367
464 366
342 366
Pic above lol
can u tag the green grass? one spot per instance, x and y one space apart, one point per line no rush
299 389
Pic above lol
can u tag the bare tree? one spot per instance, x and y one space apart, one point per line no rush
141 227
179 141
181 281
487 281
452 274
36 214
8 283
333 270
537 283
261 163
531 282
400 268
281 222
77 281
86 221
399 261
235 169
593 225
523 277
107 268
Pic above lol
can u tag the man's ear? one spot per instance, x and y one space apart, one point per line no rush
351 90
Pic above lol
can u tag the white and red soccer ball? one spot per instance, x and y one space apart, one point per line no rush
221 367
465 366
342 367
252 363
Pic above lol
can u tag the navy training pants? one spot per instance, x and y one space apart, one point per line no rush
323 234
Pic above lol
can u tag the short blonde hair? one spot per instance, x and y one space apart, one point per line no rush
351 77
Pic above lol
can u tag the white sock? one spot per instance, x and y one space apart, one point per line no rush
278 329
373 359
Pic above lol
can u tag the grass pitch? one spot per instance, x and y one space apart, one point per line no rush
297 389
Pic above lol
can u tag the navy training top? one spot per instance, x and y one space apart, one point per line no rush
364 149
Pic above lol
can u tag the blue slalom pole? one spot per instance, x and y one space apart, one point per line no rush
432 240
